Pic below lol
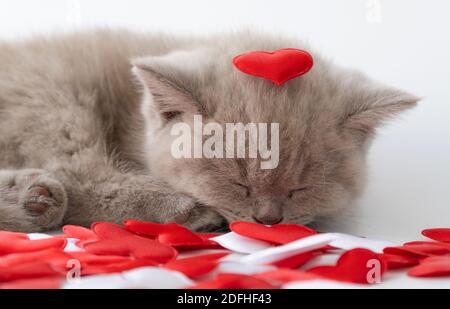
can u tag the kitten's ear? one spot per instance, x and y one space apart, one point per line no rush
372 104
168 83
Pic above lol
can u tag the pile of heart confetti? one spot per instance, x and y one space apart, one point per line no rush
252 256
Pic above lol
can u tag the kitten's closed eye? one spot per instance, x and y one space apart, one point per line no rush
246 190
169 116
243 188
299 190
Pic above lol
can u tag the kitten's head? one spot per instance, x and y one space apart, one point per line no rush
326 121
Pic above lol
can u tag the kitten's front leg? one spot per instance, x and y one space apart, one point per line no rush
33 200
116 202
113 196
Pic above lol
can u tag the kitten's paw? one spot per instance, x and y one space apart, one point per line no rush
31 200
45 199
204 219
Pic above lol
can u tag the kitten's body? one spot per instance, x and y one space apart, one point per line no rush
70 106
72 131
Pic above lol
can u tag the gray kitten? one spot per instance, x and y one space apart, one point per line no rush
85 137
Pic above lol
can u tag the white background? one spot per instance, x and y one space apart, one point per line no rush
400 42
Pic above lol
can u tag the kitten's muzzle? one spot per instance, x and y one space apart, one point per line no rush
268 211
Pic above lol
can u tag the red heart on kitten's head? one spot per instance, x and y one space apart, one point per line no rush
279 66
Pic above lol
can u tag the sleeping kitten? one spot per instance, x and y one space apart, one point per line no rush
85 132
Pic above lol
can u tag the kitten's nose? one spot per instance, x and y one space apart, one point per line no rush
268 211
268 220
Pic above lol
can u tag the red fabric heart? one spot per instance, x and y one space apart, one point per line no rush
28 271
278 234
297 261
394 261
106 230
82 243
86 258
92 264
7 236
281 276
57 260
55 257
134 246
115 267
79 232
279 66
436 266
438 234
351 267
207 242
180 239
45 283
170 234
196 266
115 240
420 243
13 244
152 229
418 250
234 281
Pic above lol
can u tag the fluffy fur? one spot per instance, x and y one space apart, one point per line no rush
84 137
